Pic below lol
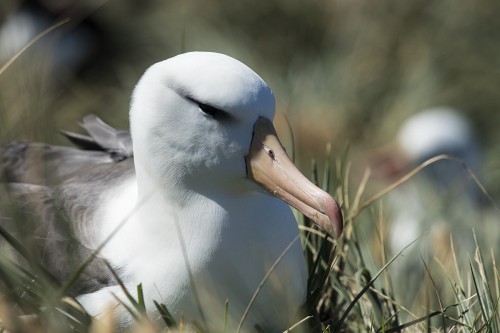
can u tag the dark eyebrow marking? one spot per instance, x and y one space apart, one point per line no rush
210 110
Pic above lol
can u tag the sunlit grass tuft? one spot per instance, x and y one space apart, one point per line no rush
347 290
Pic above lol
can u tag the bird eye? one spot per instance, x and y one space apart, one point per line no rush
210 110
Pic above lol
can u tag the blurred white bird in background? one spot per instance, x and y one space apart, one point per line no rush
439 205
448 190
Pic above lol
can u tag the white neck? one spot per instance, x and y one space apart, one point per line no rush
168 230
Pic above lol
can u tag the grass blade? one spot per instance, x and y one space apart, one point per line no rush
167 317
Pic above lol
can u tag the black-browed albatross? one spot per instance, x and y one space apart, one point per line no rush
196 207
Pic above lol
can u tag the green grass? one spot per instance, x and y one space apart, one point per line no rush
360 71
347 292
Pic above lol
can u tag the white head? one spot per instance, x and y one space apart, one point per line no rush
176 139
435 131
443 130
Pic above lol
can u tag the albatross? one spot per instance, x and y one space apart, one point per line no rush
193 204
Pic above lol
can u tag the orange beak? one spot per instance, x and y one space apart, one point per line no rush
269 166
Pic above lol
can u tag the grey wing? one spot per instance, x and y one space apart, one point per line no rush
30 214
118 143
41 164
81 195
79 198
50 194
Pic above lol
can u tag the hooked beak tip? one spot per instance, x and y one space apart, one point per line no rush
269 166
329 217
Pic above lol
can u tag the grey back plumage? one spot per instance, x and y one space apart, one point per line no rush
50 194
117 143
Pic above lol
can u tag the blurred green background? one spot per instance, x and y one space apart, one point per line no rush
345 72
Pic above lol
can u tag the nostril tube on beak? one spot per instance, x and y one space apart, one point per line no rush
269 166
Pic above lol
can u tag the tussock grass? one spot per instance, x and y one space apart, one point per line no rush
347 291
350 288
344 292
